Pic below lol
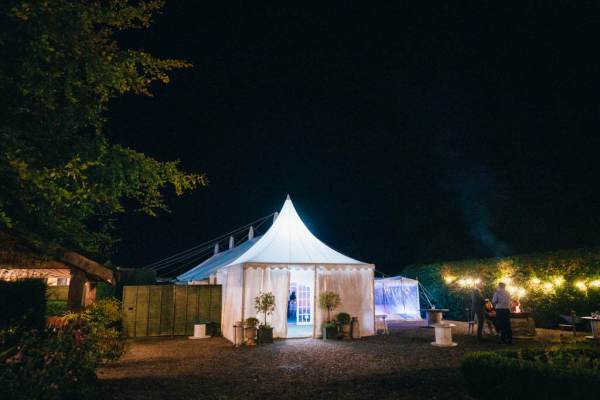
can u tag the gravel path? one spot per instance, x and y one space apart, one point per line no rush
402 365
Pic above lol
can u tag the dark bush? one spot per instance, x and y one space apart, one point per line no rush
23 303
56 308
60 363
547 306
544 374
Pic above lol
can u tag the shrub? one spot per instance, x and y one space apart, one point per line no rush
343 318
60 363
546 305
251 322
56 308
23 303
539 374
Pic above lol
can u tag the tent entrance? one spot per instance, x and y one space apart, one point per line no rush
300 315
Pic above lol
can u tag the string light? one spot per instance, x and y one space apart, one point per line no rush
595 283
548 286
535 281
449 279
558 281
581 285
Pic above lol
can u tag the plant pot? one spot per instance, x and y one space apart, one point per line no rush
265 335
250 335
346 331
329 332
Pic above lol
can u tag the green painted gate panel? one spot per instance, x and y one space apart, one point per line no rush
192 309
141 312
154 311
129 306
159 310
166 311
215 304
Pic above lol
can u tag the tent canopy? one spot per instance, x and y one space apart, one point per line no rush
397 298
288 241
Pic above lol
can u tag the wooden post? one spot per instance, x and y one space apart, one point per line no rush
75 301
90 293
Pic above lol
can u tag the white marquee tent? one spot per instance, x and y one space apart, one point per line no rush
288 255
397 298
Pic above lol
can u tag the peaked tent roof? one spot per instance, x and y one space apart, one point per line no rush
288 241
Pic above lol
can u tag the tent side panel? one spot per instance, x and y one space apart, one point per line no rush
355 287
231 279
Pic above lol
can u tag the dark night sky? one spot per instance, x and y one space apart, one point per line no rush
404 135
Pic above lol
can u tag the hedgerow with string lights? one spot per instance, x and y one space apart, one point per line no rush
548 284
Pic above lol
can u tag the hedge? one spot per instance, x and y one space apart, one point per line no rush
542 374
23 303
573 266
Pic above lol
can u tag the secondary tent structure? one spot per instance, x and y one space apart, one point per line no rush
397 298
289 261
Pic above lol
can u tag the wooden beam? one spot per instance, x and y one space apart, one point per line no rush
90 267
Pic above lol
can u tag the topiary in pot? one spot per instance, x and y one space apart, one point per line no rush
329 301
265 304
343 321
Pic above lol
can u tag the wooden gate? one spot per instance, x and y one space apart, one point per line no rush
166 310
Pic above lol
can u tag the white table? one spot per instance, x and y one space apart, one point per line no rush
595 323
443 335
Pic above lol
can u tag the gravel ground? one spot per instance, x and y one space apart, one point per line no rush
402 365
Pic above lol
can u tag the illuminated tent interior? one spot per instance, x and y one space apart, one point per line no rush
397 298
289 261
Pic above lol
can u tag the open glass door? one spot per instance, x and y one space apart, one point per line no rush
301 308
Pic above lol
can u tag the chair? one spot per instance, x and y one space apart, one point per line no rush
571 322
470 321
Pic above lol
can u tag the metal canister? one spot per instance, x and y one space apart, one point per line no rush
355 328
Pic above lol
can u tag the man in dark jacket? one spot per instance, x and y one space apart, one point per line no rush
477 305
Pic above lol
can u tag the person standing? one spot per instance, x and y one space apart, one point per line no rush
477 303
501 300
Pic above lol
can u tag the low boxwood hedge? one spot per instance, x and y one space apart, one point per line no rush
542 374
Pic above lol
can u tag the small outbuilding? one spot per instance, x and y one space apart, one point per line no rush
20 259
289 261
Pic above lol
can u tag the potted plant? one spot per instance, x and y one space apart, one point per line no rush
343 321
265 304
250 330
329 301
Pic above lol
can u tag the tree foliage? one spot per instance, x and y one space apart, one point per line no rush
60 65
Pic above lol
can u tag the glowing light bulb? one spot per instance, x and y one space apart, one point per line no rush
469 281
522 292
548 286
595 283
581 285
559 280
449 279
535 281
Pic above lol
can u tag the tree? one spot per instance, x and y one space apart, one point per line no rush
330 301
60 65
265 304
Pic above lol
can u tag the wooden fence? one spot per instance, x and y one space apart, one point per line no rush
166 310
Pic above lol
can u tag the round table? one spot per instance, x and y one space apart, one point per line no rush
443 335
595 323
434 315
